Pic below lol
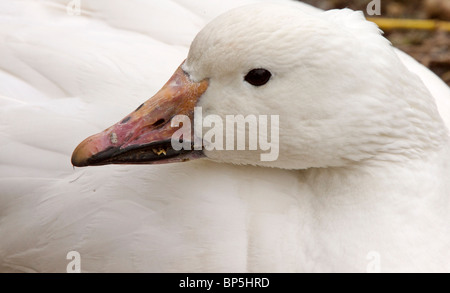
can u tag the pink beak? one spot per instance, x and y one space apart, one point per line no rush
144 136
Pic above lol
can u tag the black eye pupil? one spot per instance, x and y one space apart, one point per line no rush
258 77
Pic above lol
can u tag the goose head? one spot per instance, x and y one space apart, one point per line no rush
328 88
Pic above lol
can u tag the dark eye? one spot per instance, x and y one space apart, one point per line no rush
258 77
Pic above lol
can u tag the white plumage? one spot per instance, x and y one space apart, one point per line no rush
65 77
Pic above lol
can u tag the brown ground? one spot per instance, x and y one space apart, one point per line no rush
431 48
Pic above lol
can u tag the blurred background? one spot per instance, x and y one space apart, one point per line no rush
430 47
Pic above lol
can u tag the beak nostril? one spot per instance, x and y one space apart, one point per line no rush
158 122
139 107
125 120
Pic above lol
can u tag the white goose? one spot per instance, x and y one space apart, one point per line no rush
363 164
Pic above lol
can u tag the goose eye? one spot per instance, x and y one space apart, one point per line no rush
258 77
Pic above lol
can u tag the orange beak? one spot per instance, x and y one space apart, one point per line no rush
144 136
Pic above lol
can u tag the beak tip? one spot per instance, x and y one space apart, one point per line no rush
81 155
78 161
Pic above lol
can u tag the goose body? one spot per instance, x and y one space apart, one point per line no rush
65 77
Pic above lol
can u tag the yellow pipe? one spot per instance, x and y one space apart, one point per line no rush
418 24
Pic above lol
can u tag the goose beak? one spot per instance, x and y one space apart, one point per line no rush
144 136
